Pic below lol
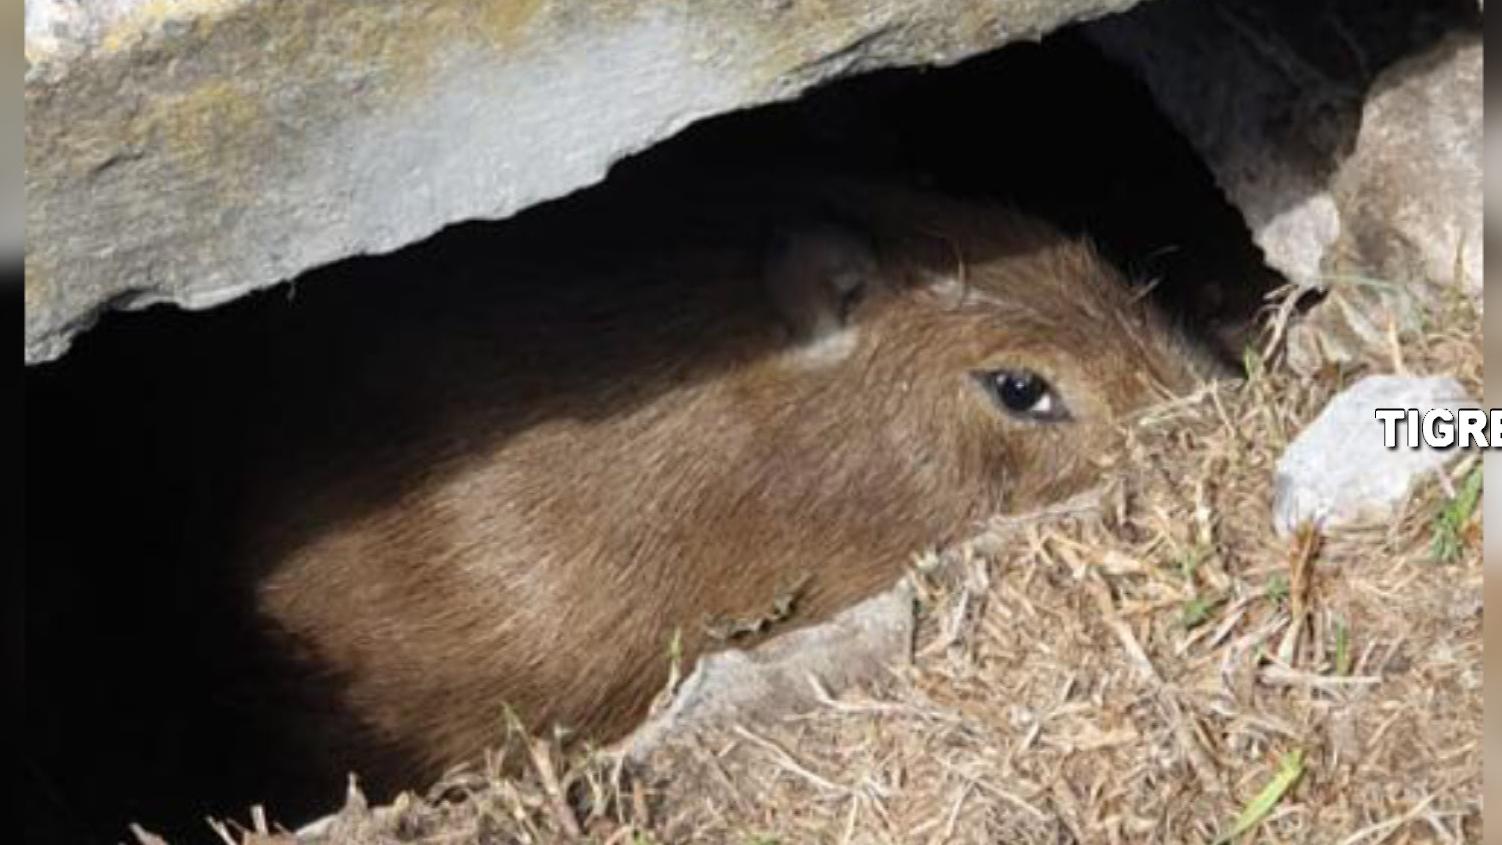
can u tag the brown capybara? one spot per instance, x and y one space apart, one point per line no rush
673 444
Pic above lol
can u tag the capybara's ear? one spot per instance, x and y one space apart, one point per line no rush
817 275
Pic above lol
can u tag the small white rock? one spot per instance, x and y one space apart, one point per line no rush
1337 471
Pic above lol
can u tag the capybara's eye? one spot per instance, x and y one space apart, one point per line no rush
1024 393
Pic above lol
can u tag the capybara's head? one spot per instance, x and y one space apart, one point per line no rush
998 355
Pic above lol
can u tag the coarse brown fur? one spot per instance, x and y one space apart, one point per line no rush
679 440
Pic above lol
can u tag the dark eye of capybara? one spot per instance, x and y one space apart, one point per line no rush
1024 393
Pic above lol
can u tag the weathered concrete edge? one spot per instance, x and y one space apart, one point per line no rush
196 157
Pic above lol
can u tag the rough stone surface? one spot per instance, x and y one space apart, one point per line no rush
190 152
1337 471
1410 192
778 675
1352 166
1262 118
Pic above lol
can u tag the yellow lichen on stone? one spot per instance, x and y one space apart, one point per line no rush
501 25
397 46
216 130
213 115
152 15
395 40
36 287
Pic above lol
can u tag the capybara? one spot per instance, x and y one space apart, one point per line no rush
688 443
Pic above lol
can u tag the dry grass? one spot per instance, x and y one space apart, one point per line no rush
1161 668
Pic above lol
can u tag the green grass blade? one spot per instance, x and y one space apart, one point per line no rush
1290 769
1454 515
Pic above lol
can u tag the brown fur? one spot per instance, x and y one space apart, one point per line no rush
626 459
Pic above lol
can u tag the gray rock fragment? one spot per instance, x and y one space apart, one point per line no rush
1357 168
1410 192
1337 472
859 643
194 151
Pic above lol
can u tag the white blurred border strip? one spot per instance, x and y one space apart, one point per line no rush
1492 504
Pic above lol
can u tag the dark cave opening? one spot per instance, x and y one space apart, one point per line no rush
137 666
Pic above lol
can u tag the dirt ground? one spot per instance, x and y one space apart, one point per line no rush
1155 667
